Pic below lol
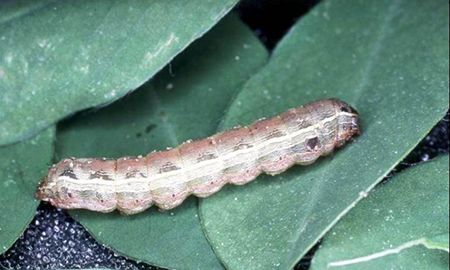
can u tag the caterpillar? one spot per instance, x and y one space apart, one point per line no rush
237 156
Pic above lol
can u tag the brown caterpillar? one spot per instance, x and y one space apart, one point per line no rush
237 156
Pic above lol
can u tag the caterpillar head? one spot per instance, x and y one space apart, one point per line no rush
348 122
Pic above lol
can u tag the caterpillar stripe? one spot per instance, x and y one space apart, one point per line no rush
201 168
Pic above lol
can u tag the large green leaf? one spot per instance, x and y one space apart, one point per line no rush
58 57
184 101
394 227
389 59
22 165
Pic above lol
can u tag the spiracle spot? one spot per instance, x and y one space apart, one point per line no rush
312 144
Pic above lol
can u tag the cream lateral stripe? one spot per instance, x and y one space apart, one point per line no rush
183 170
336 130
211 161
316 125
253 143
116 193
214 143
286 130
147 165
207 162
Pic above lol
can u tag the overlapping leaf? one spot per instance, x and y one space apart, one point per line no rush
184 101
58 57
403 224
22 165
389 59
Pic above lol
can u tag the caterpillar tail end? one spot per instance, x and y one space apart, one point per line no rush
41 193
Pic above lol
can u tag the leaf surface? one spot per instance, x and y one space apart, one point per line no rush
22 165
401 225
380 58
58 57
185 101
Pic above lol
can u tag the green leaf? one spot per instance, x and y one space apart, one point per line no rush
184 101
401 225
22 165
389 59
58 57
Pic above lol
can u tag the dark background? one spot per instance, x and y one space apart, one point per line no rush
55 241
